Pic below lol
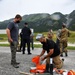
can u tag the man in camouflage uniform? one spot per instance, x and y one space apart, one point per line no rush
63 40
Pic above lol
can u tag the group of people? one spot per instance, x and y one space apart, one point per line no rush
12 31
55 50
52 50
48 45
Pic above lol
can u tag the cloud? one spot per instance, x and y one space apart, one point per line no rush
11 7
1 0
69 2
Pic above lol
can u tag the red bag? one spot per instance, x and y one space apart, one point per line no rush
71 72
36 60
40 68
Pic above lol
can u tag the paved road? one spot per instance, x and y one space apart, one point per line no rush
25 61
69 44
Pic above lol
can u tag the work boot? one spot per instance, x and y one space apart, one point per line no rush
17 63
29 53
63 59
23 53
15 66
61 55
66 54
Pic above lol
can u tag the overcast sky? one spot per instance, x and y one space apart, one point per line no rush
9 8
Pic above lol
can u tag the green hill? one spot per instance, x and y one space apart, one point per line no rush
44 21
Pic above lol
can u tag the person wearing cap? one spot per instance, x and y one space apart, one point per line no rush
26 32
52 50
64 39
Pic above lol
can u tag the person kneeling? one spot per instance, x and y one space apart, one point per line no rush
53 52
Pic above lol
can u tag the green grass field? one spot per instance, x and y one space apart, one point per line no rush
71 39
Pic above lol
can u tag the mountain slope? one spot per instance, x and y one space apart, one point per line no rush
44 21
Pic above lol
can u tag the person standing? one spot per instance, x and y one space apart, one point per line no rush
32 38
12 31
64 39
26 32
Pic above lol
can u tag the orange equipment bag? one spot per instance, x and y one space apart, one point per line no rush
40 68
71 72
36 60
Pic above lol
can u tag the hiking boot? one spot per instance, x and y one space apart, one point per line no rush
61 55
17 63
15 66
62 59
29 53
23 53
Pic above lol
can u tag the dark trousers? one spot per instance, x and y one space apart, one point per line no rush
32 45
21 43
26 41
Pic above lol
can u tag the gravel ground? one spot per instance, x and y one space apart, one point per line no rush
25 61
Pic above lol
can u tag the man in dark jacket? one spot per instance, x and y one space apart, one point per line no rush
26 32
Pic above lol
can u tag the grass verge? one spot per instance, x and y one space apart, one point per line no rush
38 46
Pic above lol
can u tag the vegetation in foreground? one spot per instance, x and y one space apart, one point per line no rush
37 46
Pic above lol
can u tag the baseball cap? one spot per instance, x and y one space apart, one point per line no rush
39 36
